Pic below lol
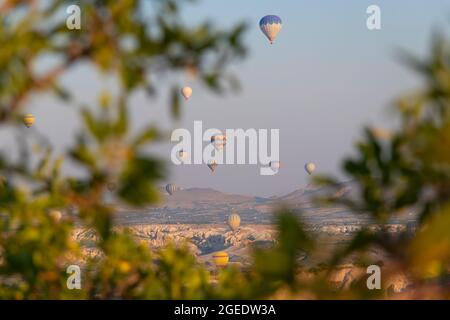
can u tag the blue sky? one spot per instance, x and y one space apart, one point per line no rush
323 79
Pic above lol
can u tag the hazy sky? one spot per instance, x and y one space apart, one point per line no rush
325 76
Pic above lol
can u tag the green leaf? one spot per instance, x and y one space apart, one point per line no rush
137 181
146 136
175 103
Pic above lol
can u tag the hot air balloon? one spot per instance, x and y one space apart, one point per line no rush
171 188
220 259
182 155
28 120
310 167
381 133
186 92
212 165
234 221
219 141
274 165
270 25
55 215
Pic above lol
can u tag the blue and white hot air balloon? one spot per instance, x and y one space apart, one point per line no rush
270 25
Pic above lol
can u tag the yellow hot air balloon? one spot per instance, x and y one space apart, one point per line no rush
55 215
186 92
234 221
28 120
221 259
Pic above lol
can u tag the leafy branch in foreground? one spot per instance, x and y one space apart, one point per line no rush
43 210
408 171
42 207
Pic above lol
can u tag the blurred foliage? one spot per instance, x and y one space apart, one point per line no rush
42 208
408 171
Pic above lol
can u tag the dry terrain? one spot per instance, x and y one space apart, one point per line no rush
197 217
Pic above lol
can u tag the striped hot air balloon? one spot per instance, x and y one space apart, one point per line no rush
270 25
234 221
28 120
171 188
221 259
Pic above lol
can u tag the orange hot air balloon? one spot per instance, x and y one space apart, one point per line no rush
186 92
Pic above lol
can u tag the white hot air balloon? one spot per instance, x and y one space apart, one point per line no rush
186 92
182 155
212 165
219 141
274 165
381 133
310 167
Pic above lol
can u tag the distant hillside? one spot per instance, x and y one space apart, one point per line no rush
305 197
199 197
206 205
